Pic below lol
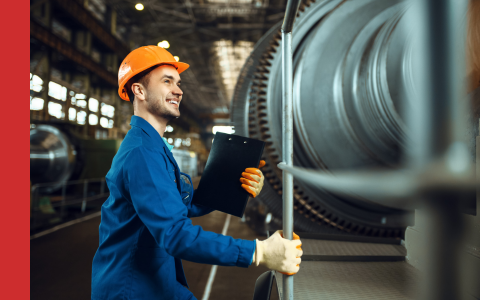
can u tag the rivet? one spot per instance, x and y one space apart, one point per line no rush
245 142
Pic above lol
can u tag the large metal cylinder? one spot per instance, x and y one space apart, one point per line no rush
52 156
352 72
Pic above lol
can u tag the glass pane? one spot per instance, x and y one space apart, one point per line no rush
57 91
92 119
104 122
93 104
110 123
72 113
55 109
81 116
224 129
36 83
80 96
108 110
36 103
82 103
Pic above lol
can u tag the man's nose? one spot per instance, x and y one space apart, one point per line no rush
177 91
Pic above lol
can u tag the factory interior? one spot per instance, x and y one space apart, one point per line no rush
384 126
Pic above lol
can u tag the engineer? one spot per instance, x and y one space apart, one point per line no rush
146 229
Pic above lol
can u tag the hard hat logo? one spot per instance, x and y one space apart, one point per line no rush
141 59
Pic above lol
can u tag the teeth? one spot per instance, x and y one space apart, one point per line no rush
173 101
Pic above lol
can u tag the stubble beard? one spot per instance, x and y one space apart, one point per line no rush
155 108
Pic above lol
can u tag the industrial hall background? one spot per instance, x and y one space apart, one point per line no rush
385 133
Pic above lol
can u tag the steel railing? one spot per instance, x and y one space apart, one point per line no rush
82 195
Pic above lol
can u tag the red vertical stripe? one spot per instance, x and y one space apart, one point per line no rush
14 145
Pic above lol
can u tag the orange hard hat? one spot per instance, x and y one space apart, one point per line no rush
141 59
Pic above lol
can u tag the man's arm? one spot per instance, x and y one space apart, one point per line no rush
159 206
195 210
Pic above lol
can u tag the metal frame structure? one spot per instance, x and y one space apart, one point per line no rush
438 175
63 203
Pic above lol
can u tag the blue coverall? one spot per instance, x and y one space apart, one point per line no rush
145 229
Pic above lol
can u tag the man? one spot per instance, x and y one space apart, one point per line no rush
145 230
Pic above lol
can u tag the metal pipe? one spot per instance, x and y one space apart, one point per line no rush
290 14
287 131
436 127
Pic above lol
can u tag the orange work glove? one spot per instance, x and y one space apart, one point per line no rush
279 254
299 247
252 180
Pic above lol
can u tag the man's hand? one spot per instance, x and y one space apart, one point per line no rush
279 254
252 180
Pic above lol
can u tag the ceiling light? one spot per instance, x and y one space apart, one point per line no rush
139 6
176 58
164 44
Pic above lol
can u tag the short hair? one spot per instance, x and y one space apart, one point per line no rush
142 77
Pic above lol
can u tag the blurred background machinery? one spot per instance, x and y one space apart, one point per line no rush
352 69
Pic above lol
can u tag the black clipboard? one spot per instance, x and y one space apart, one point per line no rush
220 187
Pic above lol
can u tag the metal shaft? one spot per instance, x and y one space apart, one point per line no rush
287 130
436 128
287 150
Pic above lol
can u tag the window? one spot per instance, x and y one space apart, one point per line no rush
55 109
82 103
93 104
57 91
104 122
224 129
36 103
36 83
92 119
72 113
107 110
81 117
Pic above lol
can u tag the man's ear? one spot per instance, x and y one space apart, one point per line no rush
139 91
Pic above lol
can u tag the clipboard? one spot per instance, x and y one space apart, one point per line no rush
220 187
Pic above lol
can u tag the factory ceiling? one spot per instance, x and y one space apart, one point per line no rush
213 36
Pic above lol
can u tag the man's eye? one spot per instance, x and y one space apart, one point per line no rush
167 81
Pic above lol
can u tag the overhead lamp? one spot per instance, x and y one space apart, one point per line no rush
139 6
164 44
176 58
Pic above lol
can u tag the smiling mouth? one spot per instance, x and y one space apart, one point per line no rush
175 102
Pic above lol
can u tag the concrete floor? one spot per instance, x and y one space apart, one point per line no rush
61 263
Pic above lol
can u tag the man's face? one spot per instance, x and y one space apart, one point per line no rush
164 93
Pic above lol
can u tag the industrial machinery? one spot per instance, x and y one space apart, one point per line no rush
58 155
376 128
352 68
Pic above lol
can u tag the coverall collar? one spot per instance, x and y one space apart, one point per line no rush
149 130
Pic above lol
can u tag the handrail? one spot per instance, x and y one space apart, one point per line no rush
83 199
290 14
287 130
